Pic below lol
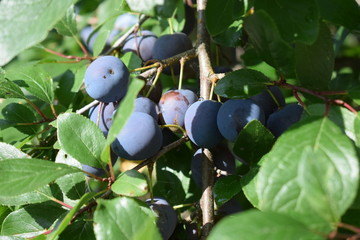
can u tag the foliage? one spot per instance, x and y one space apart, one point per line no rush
302 185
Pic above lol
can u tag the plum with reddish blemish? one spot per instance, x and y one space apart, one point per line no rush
173 105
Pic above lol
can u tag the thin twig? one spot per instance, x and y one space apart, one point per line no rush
87 107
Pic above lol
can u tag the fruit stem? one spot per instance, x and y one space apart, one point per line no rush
174 126
170 26
158 72
37 109
87 107
182 64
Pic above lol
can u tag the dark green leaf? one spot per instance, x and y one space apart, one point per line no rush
254 141
126 219
218 15
226 188
79 230
241 84
315 63
18 176
4 211
254 224
81 138
31 220
19 116
231 36
24 24
354 93
297 21
357 130
8 151
335 154
35 80
266 38
72 185
343 12
67 25
65 222
131 184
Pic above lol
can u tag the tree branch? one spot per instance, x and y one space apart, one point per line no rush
206 70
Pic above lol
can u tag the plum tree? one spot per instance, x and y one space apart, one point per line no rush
224 160
144 104
106 79
170 45
141 43
267 102
103 117
201 123
281 120
139 139
173 105
234 114
166 216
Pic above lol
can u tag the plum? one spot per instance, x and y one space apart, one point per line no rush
144 104
139 139
223 160
173 105
125 21
266 101
234 114
170 45
201 123
166 216
281 120
140 43
105 116
106 79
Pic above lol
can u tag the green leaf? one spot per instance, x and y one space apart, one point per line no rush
124 110
31 220
124 218
67 25
67 219
4 211
357 130
218 15
81 138
18 176
314 63
100 40
164 8
8 89
342 12
131 184
297 21
72 185
8 151
335 154
35 80
254 141
241 84
253 225
226 188
271 47
131 60
24 24
39 195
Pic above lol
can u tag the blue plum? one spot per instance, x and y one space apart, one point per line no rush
104 117
267 102
223 160
144 104
170 45
125 21
141 43
234 114
85 34
166 216
201 123
281 120
106 79
139 139
173 105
